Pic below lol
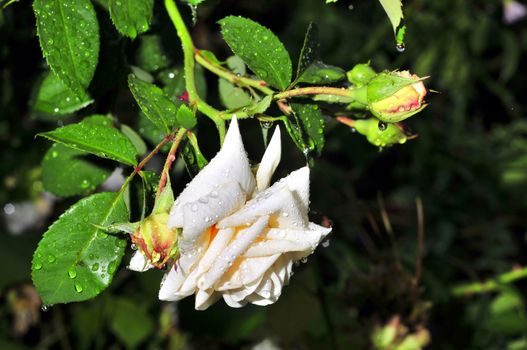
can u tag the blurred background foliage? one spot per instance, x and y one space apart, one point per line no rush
375 284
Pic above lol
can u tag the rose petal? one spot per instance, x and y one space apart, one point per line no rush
250 270
229 165
200 214
279 200
139 263
204 299
269 162
236 248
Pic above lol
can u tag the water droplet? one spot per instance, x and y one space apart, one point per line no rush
285 214
95 267
72 272
214 194
194 207
44 308
303 260
325 244
350 7
37 266
133 246
78 288
51 258
382 125
56 109
400 47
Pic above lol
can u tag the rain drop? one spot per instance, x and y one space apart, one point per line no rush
382 125
325 244
78 288
37 266
51 258
400 47
44 308
72 272
133 246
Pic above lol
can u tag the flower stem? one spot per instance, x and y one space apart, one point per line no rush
170 159
143 162
188 65
314 90
230 76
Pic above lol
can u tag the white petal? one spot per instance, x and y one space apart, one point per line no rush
233 302
204 299
250 270
229 165
204 212
174 280
276 247
269 162
279 200
236 248
139 263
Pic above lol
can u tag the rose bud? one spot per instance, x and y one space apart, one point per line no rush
360 74
378 133
395 96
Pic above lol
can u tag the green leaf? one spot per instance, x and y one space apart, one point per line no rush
131 17
130 323
209 55
185 117
194 159
394 10
310 50
151 54
236 64
231 96
138 142
154 103
312 123
69 37
75 261
66 173
321 73
260 106
259 48
99 139
54 99
150 132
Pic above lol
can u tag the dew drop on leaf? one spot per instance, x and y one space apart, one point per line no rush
72 272
37 266
78 288
51 258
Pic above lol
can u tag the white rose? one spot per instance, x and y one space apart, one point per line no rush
239 236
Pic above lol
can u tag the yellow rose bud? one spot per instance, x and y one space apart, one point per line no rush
395 96
155 240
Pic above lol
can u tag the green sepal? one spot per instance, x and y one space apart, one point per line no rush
165 200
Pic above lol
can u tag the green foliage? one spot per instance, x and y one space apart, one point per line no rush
154 103
130 323
95 135
151 55
66 172
310 50
131 17
55 100
311 123
259 48
321 73
74 260
69 37
185 117
394 10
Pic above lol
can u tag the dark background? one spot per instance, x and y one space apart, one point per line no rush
468 167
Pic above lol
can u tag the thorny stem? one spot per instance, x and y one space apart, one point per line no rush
314 90
188 60
145 160
170 159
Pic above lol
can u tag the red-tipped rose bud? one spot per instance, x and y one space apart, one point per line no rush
395 96
155 240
